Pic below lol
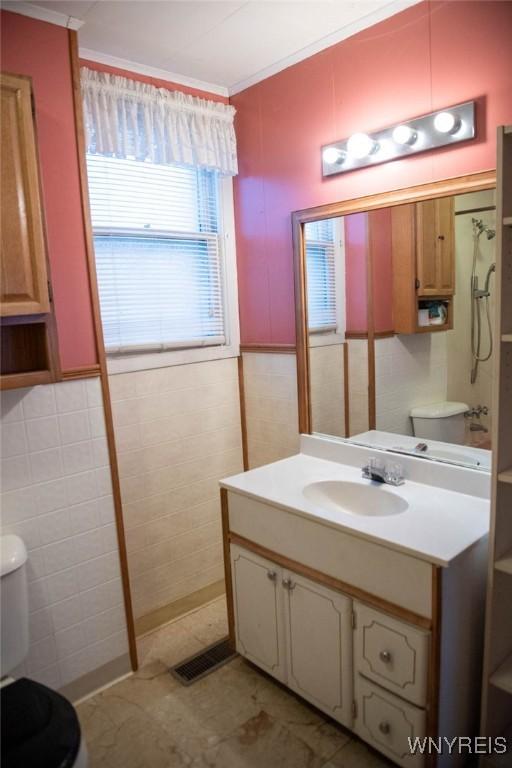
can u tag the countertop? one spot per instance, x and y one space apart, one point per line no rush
438 525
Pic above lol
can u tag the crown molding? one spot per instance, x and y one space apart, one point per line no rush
325 42
42 14
159 74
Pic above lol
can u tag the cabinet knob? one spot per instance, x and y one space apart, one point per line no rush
288 584
440 237
384 727
272 575
385 656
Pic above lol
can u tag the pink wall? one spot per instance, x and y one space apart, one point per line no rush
429 56
41 50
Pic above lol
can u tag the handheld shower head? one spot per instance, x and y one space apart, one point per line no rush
491 269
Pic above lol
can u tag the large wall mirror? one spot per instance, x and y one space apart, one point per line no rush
395 320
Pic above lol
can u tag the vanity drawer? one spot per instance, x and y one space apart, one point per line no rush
392 653
387 722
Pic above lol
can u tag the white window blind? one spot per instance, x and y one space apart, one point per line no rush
158 254
319 239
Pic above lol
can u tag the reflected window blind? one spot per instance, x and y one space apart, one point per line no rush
321 275
158 255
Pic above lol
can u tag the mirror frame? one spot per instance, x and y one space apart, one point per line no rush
474 182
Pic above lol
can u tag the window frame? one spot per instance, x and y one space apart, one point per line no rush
138 361
319 337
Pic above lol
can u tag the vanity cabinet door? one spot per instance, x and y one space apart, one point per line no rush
319 642
259 611
23 255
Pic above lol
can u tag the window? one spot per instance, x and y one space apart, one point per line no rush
160 255
320 238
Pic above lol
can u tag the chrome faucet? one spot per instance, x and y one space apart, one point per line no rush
376 470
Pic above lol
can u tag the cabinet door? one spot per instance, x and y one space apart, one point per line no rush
445 237
435 247
24 288
259 611
319 642
426 248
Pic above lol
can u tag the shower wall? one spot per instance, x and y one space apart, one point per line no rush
459 340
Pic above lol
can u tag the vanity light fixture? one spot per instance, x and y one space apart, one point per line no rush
360 145
333 156
404 134
437 129
446 122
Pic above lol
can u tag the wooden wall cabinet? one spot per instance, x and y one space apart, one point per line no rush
423 246
28 343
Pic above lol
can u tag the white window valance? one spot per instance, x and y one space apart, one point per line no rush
130 119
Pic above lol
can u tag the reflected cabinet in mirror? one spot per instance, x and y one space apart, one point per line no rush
395 319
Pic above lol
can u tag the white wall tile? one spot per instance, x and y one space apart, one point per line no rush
56 495
55 526
13 441
74 426
42 433
38 402
71 396
177 433
46 465
15 473
78 457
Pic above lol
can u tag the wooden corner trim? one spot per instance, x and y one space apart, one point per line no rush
100 347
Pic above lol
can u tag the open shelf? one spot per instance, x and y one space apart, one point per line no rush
507 221
506 476
26 356
504 564
506 337
502 678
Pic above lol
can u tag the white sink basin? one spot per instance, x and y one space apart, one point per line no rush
355 498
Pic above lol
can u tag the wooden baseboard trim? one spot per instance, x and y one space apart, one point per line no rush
175 610
82 372
329 581
278 349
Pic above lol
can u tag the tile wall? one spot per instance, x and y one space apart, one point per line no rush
270 384
358 385
57 495
409 371
326 370
177 433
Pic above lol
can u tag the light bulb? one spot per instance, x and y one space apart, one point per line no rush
361 145
446 122
332 155
403 134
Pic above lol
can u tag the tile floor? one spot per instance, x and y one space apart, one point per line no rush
234 718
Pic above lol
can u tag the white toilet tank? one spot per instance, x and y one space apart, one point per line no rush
14 601
440 421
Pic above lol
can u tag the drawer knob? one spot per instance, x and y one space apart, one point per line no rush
288 584
385 656
272 575
384 727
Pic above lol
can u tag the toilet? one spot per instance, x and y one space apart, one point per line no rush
442 421
40 728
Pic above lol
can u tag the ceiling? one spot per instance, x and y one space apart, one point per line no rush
228 44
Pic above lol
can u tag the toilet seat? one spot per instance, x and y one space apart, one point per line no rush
40 727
